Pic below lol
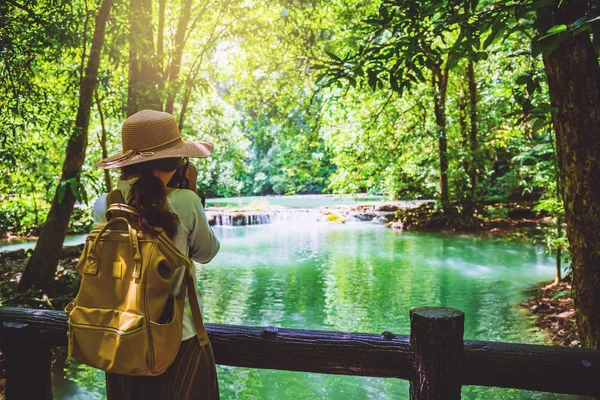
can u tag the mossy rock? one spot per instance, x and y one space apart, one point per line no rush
335 218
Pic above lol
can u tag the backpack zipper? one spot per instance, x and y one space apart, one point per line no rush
116 331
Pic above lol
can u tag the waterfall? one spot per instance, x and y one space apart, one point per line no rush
242 218
297 215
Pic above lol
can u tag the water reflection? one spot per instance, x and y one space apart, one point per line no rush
365 278
361 277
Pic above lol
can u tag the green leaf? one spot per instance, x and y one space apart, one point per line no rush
333 56
527 106
373 80
374 21
482 55
523 79
60 191
497 27
541 147
323 80
383 11
539 124
394 83
556 29
561 294
419 74
532 86
537 47
452 60
74 188
582 28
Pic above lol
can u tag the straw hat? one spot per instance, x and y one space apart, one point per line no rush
150 135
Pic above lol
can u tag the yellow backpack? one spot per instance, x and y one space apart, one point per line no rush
125 319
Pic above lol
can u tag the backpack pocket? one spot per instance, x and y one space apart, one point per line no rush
164 336
116 341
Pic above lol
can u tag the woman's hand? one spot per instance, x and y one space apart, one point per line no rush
192 175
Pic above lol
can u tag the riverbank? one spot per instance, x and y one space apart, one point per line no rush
496 220
554 311
56 297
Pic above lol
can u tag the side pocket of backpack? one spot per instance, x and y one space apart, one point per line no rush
165 335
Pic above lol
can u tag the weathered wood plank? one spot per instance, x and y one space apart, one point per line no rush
532 367
328 352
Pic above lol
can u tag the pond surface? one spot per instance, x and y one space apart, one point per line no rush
20 243
359 278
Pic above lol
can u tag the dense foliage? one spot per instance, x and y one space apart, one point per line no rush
252 75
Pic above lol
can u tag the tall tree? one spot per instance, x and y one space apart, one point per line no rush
574 83
142 90
41 267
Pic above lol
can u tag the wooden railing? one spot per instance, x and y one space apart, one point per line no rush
434 358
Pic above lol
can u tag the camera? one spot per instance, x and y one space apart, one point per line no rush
179 180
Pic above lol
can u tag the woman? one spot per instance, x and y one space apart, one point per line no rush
152 152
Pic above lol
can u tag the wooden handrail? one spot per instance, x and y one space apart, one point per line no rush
25 332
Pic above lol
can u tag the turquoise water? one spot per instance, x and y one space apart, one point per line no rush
361 278
16 244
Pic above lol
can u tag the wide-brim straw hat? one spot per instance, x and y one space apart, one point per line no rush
151 135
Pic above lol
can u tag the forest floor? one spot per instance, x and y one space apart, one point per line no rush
554 312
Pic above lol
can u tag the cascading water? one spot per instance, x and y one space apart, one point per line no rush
303 215
243 218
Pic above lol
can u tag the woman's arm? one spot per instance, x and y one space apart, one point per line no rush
100 210
204 245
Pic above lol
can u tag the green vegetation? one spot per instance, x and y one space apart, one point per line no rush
468 102
257 93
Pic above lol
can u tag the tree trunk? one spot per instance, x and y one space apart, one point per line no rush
107 182
142 91
466 158
439 81
558 276
574 84
173 75
42 265
472 171
160 42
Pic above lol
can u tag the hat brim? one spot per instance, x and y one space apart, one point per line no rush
180 149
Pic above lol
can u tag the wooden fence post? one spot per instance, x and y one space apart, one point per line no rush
28 363
436 338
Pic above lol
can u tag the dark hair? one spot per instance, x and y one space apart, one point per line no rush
148 194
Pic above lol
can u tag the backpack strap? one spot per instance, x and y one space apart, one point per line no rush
195 307
116 196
